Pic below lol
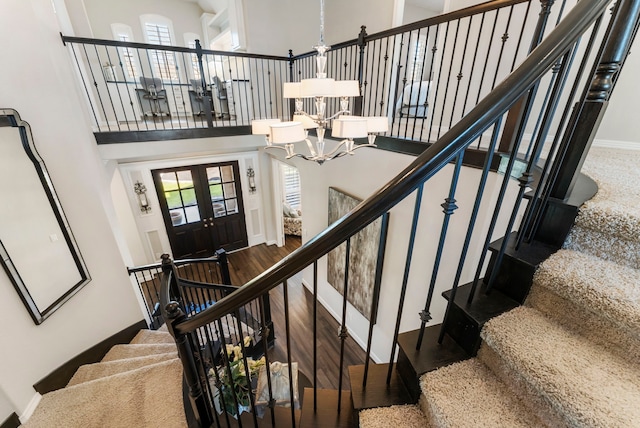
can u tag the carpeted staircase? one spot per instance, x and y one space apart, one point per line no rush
571 355
135 385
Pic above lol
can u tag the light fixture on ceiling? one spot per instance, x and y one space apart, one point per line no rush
284 135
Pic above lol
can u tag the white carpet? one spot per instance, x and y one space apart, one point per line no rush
571 356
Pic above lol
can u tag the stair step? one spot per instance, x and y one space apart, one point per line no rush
600 302
120 352
151 337
466 319
377 393
515 274
568 379
468 394
326 415
89 372
413 363
405 416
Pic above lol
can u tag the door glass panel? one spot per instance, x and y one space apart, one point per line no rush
193 214
189 197
229 190
173 199
218 209
177 217
227 173
232 206
181 197
213 175
215 191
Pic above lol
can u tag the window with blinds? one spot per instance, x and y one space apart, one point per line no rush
417 58
194 60
291 186
128 58
163 62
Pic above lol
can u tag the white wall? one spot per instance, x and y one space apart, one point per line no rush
185 16
360 176
41 86
413 13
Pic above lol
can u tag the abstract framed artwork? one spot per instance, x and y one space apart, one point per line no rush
365 259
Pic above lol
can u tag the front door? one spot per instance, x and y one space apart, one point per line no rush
202 208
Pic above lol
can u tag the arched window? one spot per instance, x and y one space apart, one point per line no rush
158 30
127 56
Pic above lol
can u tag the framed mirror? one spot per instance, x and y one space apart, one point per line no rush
37 249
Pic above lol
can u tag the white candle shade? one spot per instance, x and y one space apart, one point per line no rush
319 87
377 124
349 127
307 121
346 88
262 126
287 132
291 90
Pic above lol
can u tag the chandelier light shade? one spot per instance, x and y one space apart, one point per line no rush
284 135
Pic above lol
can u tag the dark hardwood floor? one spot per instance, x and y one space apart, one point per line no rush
245 265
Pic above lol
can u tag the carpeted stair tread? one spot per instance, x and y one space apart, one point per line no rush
405 416
467 394
608 225
147 397
152 336
89 372
598 298
581 382
119 352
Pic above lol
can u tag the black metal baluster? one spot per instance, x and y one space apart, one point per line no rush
288 336
415 58
405 277
95 85
520 37
435 97
446 87
343 333
227 364
315 336
117 85
265 334
375 300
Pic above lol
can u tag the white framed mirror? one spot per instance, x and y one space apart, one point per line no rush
37 249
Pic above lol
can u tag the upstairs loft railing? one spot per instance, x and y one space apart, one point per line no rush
579 63
423 76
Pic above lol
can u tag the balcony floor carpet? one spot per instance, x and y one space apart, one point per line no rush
569 356
139 385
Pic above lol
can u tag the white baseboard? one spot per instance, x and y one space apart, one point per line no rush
31 407
615 144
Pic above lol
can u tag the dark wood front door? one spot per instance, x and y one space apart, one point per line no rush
202 208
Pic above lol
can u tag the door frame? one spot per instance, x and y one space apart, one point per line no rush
152 222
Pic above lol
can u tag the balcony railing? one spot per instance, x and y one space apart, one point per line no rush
423 76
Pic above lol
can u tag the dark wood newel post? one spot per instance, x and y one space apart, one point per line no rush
173 314
362 44
292 102
585 122
206 95
190 371
223 262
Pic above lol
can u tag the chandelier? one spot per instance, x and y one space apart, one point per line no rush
285 135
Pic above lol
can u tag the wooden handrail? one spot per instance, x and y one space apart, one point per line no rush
492 107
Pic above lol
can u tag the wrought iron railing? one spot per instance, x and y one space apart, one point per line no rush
556 96
423 76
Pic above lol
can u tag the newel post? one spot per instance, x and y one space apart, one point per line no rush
223 262
585 121
174 315
292 102
362 45
206 95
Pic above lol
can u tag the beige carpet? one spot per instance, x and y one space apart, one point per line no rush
571 356
136 385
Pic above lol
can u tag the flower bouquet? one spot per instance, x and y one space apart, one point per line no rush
238 383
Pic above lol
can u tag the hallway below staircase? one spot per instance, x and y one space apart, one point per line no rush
569 356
